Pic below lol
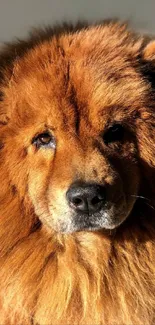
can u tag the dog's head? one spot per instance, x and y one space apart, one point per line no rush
79 126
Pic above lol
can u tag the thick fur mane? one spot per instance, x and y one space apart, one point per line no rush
107 277
86 273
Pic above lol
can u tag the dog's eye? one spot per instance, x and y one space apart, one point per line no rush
44 140
113 134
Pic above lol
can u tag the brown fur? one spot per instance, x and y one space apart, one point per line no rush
76 81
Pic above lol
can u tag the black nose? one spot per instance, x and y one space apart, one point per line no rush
86 198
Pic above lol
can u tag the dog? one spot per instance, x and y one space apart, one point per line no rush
77 170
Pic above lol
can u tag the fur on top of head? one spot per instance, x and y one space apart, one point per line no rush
77 161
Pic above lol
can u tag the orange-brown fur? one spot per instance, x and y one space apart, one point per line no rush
47 277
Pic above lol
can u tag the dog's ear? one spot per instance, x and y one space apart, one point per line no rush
149 51
146 121
147 62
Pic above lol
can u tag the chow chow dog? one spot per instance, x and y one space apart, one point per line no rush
77 171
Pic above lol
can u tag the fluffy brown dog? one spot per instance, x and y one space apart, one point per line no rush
77 171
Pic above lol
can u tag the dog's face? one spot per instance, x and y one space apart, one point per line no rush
70 145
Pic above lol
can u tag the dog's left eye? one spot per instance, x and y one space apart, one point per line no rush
114 134
44 140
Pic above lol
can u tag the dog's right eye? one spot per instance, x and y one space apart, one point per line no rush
45 140
114 134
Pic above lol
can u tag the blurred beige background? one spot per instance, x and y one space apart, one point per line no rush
18 16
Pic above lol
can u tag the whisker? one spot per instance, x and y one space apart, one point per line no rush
141 197
144 198
153 208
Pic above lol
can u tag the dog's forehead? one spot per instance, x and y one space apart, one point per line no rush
76 73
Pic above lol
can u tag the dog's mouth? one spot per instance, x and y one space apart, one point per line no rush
62 218
107 219
85 223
